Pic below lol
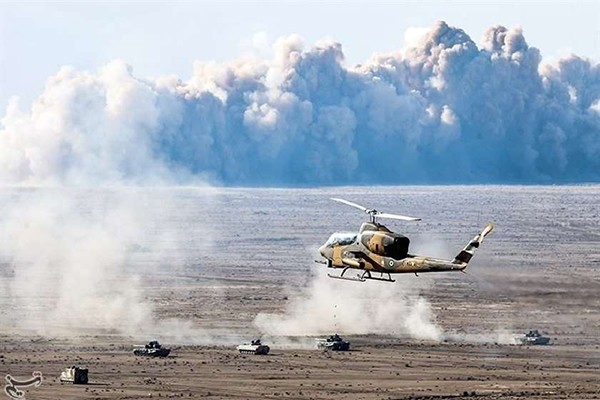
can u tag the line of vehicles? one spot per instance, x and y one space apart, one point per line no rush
79 376
335 342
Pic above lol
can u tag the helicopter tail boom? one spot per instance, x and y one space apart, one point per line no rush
467 253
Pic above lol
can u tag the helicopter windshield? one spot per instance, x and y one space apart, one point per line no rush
341 239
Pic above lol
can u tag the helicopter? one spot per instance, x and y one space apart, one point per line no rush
376 249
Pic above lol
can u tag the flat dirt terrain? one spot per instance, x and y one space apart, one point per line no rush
373 371
441 336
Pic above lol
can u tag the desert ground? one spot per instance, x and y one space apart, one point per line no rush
245 270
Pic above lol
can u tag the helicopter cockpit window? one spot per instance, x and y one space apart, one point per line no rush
341 239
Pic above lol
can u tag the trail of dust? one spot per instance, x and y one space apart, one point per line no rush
290 342
499 336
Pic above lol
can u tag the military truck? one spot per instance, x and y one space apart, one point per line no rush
152 349
74 375
533 337
333 342
254 347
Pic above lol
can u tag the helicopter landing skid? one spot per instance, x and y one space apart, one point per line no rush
358 278
363 277
367 275
381 277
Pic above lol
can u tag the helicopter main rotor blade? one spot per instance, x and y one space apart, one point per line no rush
394 216
349 203
375 213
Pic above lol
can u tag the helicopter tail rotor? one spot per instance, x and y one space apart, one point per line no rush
374 214
467 253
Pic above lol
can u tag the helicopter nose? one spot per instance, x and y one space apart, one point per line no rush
326 251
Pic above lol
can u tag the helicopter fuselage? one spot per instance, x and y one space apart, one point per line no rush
375 248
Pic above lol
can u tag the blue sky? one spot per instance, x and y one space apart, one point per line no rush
160 38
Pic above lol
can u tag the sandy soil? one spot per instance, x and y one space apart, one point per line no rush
379 368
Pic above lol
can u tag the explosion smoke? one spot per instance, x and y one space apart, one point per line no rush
492 112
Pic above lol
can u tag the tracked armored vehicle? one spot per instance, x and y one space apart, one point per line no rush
533 337
333 342
254 347
152 349
74 375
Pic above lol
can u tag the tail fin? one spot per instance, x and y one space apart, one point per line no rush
467 253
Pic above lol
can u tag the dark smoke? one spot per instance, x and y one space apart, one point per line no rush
444 111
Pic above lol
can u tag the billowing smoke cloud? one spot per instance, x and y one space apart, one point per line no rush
443 110
329 305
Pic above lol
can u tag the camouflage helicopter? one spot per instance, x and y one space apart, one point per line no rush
376 249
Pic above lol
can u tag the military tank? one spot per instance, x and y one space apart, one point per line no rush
74 375
152 349
333 342
533 337
254 347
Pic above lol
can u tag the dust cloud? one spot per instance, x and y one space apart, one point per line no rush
502 336
327 305
74 260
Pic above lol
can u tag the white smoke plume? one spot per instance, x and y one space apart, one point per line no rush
445 104
327 305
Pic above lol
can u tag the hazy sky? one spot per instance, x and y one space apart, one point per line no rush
160 38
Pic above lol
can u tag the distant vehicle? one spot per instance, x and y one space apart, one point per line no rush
376 249
254 347
74 375
152 349
333 342
533 337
